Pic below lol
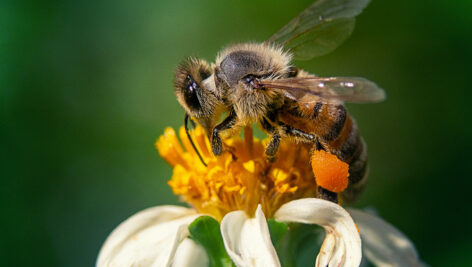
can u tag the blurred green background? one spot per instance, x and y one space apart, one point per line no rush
86 88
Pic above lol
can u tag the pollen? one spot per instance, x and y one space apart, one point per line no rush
240 178
331 173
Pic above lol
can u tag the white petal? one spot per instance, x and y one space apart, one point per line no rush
148 238
342 244
326 251
190 253
247 240
383 244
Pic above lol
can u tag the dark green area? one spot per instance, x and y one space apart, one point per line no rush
86 88
206 231
296 244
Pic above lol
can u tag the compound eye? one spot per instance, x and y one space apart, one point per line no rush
190 93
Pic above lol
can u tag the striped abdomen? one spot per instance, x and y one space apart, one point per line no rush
337 133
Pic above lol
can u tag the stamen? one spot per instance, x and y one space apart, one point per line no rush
236 183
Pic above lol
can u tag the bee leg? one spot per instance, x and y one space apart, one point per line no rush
280 130
318 145
327 195
299 133
321 193
272 147
216 143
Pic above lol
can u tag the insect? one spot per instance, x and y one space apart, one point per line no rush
256 83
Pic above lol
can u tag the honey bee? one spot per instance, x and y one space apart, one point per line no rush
257 83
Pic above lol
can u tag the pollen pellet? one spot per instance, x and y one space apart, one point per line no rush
330 172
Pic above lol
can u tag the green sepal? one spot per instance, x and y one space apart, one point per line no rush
296 244
206 231
277 230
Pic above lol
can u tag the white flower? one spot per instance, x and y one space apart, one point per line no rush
152 237
159 237
240 189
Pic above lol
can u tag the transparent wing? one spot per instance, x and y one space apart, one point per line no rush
320 28
349 89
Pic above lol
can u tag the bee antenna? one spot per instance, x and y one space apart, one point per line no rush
190 138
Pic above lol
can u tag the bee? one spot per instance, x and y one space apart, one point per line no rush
257 83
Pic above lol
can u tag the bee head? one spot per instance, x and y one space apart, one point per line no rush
194 88
244 64
188 83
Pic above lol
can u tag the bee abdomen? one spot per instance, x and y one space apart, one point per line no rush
340 115
350 148
358 173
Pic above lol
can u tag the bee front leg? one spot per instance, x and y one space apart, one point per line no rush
216 143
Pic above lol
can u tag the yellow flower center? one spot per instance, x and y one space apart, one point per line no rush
239 179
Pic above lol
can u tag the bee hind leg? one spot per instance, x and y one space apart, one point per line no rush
327 195
321 192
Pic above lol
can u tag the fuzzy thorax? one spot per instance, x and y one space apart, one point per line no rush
236 69
273 57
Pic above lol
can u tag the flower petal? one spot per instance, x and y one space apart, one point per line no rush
326 251
247 240
342 244
190 253
384 245
150 237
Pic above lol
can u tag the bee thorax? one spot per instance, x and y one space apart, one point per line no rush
253 105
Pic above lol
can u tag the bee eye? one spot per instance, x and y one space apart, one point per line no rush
190 93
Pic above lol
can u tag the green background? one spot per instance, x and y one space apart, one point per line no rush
86 88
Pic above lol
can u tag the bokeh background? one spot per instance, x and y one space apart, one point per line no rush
86 88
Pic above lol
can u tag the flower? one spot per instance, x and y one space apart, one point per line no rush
240 189
241 178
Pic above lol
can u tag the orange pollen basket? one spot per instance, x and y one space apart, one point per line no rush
331 173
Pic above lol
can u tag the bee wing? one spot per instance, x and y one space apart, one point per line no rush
309 89
320 28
